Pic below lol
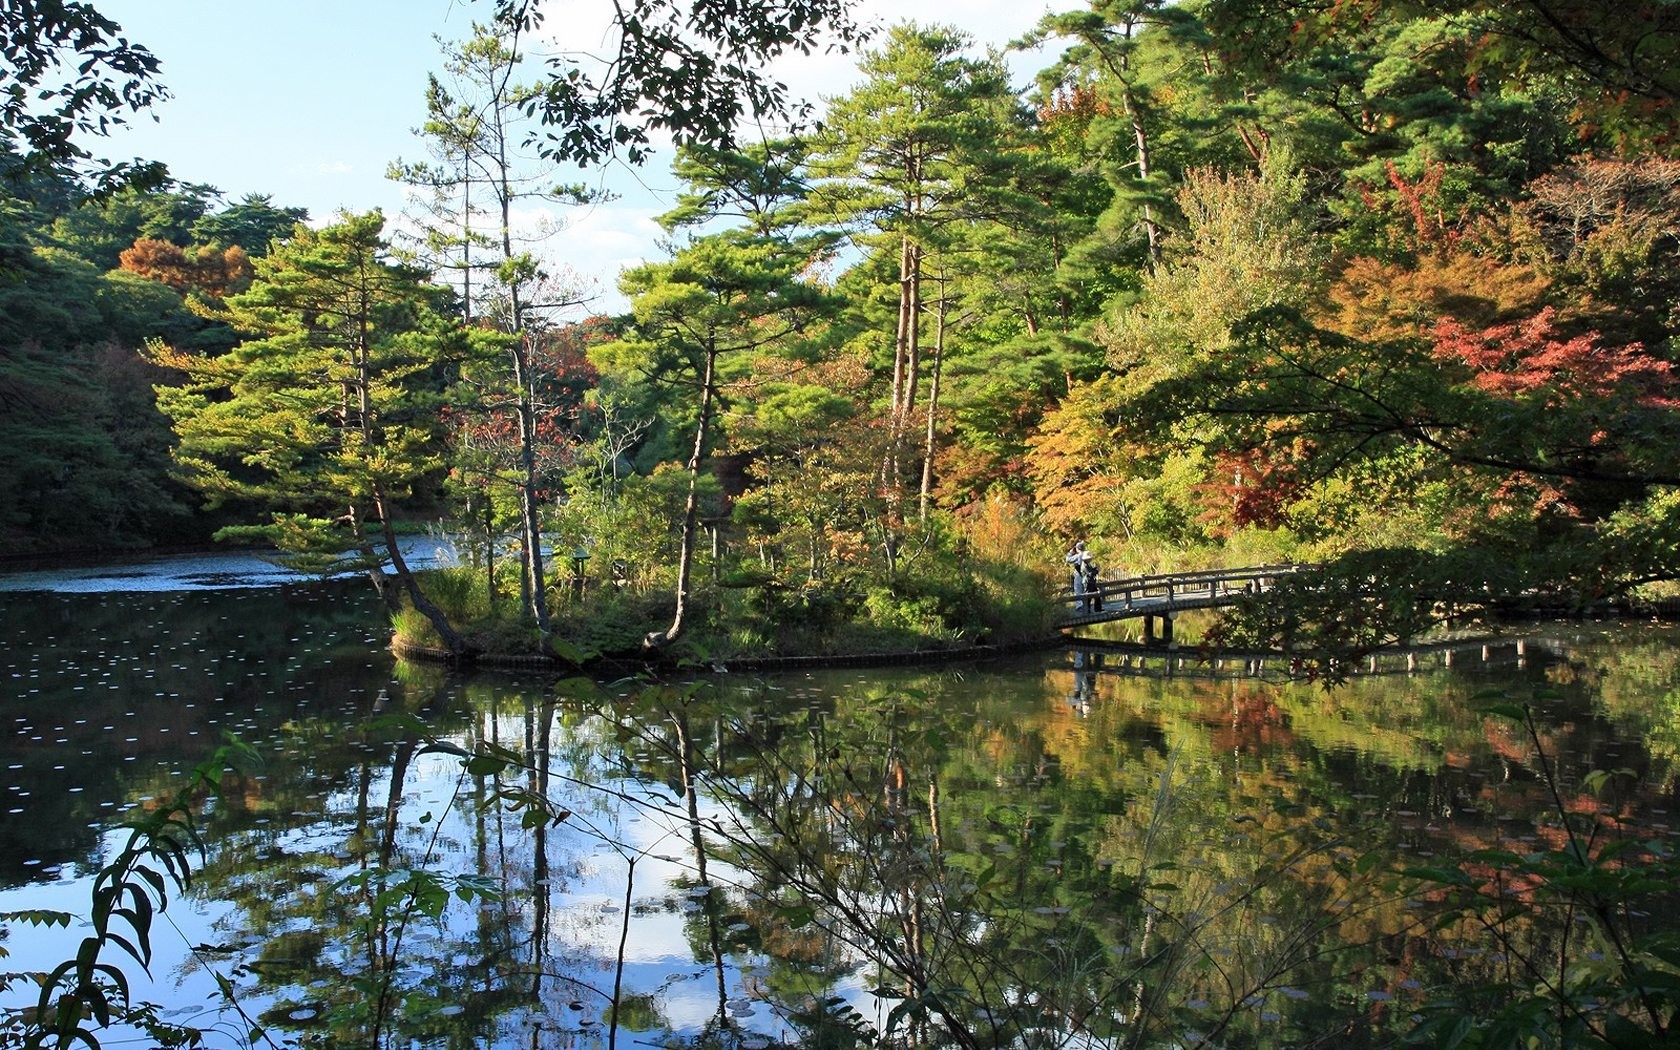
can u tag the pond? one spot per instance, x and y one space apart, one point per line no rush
1086 848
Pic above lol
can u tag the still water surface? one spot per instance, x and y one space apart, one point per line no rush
1073 849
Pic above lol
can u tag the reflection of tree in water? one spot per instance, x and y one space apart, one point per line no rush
995 871
1199 878
319 883
986 921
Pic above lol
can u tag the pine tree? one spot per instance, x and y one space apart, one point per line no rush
325 412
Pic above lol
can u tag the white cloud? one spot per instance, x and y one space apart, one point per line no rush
603 241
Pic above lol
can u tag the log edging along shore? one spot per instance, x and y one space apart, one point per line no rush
545 662
1659 609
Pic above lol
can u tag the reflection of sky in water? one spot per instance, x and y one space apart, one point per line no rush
214 571
110 696
120 678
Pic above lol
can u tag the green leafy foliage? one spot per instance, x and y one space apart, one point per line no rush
88 992
689 69
44 123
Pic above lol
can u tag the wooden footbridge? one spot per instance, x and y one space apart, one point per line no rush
1161 597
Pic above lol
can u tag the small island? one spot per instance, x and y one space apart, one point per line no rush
1342 320
876 380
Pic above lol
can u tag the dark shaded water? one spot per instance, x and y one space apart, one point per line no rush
1075 849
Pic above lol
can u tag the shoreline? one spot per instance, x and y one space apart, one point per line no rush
545 662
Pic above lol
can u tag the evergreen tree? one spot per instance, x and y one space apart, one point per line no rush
909 160
722 298
475 126
254 224
326 413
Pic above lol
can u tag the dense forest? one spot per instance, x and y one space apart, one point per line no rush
1389 286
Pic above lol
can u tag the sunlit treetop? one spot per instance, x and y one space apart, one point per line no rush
693 69
67 74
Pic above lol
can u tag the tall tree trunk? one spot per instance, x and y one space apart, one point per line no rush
929 448
530 522
691 515
901 338
900 374
1120 66
1140 136
913 348
466 249
411 587
375 565
524 379
906 369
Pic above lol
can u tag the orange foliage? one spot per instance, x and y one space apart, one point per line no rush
999 528
1078 104
1074 456
215 272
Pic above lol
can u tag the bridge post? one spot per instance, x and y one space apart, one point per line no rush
1167 630
1148 629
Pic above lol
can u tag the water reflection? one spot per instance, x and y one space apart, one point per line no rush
212 571
1063 850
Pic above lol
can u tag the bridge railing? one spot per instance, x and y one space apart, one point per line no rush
1200 585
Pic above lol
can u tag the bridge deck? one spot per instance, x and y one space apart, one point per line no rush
1166 594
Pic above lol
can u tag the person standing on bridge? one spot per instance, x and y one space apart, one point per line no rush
1078 558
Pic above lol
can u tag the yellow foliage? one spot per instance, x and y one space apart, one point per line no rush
1377 300
997 528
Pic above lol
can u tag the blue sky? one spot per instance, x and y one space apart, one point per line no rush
309 101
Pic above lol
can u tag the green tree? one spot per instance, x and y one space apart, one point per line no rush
86 467
1106 38
327 408
475 126
254 224
910 157
721 297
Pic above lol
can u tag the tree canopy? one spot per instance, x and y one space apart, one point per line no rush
1385 287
